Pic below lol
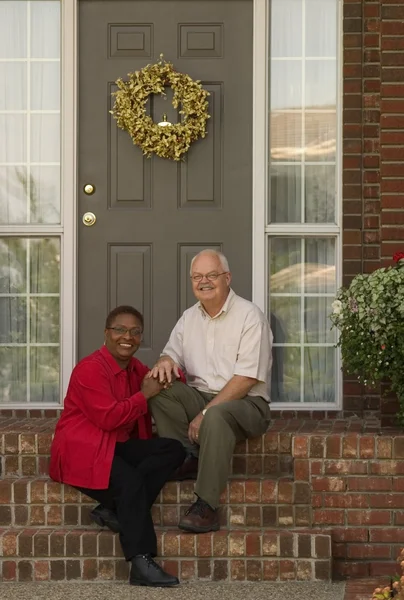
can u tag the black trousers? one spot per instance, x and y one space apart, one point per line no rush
139 470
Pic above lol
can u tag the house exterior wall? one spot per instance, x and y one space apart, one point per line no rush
373 154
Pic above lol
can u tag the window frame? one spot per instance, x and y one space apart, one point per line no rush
262 231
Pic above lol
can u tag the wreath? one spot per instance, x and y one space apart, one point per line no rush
164 139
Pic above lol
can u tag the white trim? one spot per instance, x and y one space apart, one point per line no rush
314 230
303 230
68 282
259 167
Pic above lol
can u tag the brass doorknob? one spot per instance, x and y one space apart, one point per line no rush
89 189
89 219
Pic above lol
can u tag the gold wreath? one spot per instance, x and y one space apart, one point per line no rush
129 110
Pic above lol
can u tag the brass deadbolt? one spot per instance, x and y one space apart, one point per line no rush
89 219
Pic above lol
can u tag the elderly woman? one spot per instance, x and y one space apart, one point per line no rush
103 445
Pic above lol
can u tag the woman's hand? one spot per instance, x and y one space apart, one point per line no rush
151 387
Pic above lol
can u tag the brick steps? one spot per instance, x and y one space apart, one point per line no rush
345 478
252 503
25 446
57 554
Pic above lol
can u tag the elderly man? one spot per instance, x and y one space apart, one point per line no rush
223 343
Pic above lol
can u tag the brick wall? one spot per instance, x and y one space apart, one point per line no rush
373 153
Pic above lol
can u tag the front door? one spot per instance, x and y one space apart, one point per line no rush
153 215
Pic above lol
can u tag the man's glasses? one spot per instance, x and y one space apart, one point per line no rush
209 276
135 332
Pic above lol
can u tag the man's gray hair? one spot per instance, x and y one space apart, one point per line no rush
223 260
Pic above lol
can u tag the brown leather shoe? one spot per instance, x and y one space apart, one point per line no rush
200 518
188 470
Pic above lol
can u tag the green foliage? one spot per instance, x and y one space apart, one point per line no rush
369 315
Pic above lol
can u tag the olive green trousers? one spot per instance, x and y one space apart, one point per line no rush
222 427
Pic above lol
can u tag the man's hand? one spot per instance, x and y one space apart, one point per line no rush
151 387
193 429
165 370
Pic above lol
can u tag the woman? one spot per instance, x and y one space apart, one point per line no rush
103 445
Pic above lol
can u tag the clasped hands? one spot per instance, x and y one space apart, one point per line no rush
164 373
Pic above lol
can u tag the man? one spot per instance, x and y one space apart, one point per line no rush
223 343
103 446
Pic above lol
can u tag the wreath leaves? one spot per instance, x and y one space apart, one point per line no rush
129 110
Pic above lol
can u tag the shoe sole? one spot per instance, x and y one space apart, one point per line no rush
198 529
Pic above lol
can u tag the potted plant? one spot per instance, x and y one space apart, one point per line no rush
369 315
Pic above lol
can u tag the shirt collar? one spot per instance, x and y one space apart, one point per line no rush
112 362
225 308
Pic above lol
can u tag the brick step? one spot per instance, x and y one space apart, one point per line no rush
254 503
25 447
54 554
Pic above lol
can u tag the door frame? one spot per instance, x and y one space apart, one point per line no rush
69 168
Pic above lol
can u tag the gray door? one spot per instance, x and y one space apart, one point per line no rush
153 215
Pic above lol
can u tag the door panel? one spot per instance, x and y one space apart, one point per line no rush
154 215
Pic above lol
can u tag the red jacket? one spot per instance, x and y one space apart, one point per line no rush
103 404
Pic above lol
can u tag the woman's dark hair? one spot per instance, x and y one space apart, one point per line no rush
123 310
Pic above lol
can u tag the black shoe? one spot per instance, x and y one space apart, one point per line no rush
104 517
145 571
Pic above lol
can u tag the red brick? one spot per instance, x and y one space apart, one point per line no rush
370 483
328 517
369 517
390 535
368 551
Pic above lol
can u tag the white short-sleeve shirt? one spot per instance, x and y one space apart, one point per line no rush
237 341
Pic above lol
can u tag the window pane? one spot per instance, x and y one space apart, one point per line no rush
286 194
13 320
303 105
286 84
13 266
44 320
44 266
13 374
320 194
45 29
320 134
317 325
321 20
44 374
286 136
13 195
286 39
286 374
319 374
30 127
13 136
13 29
286 319
29 321
13 96
285 260
321 84
45 195
319 268
302 286
45 86
45 138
